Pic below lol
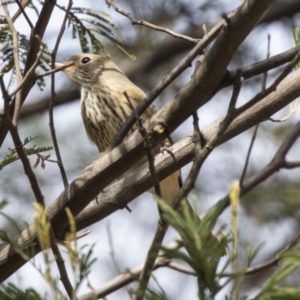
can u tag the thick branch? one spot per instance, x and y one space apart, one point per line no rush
110 165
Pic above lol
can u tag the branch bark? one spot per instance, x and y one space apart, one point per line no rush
112 164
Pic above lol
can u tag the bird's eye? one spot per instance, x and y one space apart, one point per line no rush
85 60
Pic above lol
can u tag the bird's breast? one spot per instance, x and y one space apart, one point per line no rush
103 112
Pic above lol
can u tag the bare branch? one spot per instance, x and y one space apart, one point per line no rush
264 81
273 86
278 161
248 155
58 257
263 66
148 147
5 94
17 14
26 164
16 61
112 254
61 267
24 14
149 25
52 100
54 71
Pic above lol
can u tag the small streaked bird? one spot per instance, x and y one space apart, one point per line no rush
105 108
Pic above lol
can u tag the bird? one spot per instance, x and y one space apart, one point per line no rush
105 108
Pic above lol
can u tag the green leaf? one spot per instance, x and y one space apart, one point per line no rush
252 253
12 292
12 155
204 250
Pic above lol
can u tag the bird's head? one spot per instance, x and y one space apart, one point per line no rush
86 69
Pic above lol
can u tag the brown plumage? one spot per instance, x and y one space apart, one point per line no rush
104 107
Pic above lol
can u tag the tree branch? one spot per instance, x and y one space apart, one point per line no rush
134 21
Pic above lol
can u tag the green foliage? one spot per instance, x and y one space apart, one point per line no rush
252 253
81 260
3 203
89 25
272 289
204 251
7 63
296 34
152 294
85 262
12 155
12 292
15 228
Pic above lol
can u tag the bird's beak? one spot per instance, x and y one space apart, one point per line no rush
58 65
61 65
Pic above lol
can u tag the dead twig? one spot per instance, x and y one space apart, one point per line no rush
134 21
16 61
52 100
264 81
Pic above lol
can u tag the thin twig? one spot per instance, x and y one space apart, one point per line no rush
19 146
292 164
162 226
270 263
62 29
164 82
134 21
26 165
24 14
265 74
16 61
61 267
150 259
264 83
112 254
249 271
203 153
58 258
42 158
190 181
272 87
6 96
16 15
30 71
278 161
292 109
148 147
263 66
248 154
52 100
54 70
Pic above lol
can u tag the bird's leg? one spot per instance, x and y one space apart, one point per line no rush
167 147
120 206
